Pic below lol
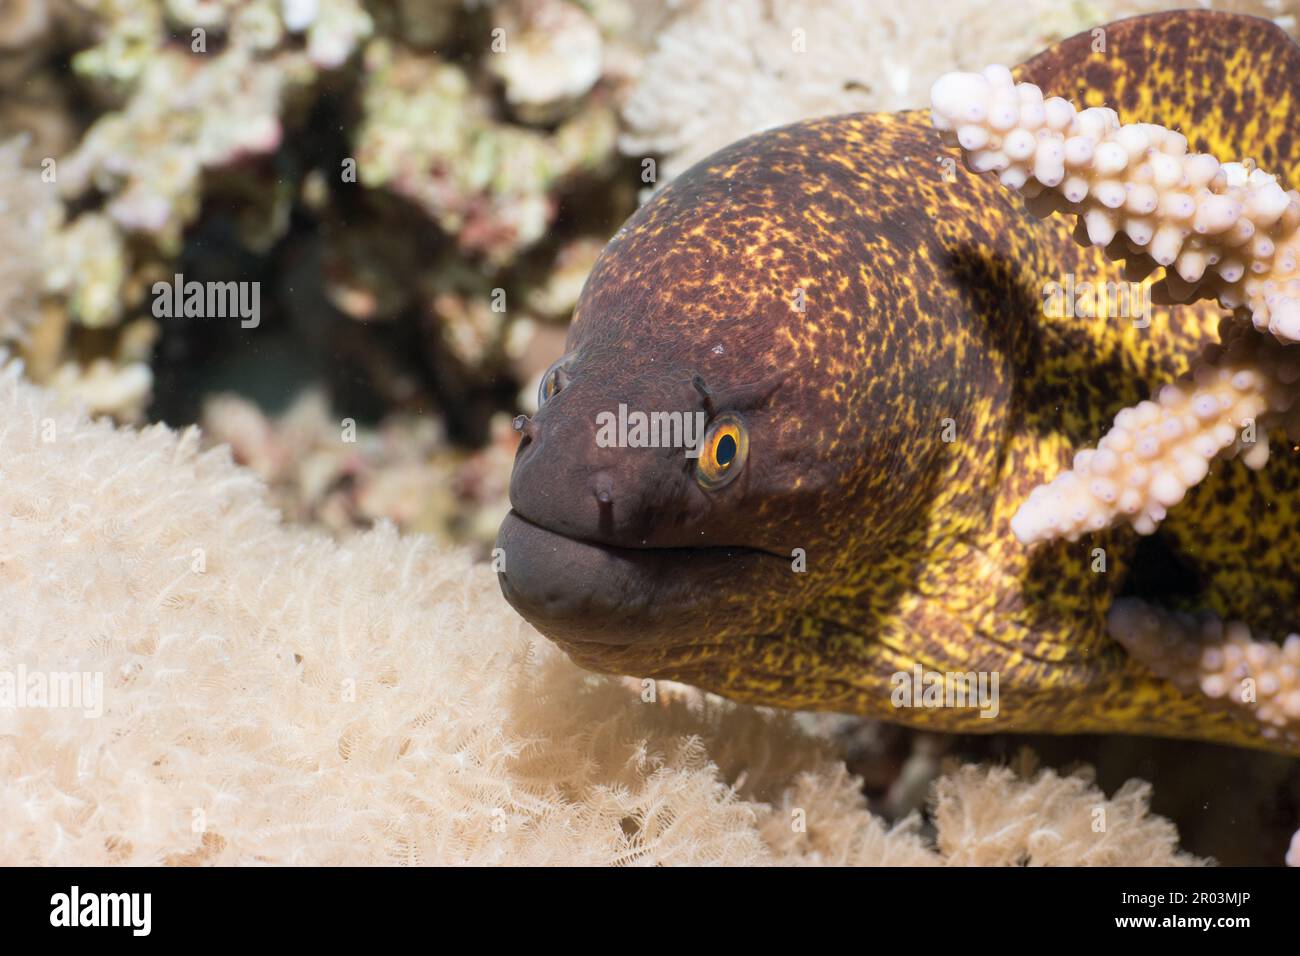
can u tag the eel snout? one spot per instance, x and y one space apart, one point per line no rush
577 591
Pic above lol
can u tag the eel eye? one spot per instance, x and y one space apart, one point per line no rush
554 379
726 446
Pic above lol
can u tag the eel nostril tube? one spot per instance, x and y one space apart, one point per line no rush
602 486
527 429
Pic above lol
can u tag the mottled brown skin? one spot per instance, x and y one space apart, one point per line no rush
922 314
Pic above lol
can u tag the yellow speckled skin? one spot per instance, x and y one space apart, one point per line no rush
923 321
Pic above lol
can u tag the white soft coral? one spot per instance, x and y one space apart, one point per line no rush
272 696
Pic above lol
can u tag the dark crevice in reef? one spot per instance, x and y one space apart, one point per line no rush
1158 572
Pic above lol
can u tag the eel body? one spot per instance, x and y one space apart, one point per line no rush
860 328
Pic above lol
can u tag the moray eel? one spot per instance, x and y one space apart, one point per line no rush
860 327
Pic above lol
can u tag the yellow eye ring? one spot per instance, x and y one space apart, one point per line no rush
723 453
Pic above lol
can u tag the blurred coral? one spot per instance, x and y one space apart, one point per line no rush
183 118
431 137
121 391
88 266
550 57
331 473
496 125
27 211
23 22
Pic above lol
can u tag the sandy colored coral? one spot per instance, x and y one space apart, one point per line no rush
333 28
271 696
1258 678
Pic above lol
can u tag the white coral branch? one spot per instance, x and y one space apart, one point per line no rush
1225 229
1156 451
1220 229
1259 679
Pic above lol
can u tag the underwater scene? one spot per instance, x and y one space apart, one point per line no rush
500 433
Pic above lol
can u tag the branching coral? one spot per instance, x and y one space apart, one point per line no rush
1220 229
1225 230
1259 678
188 106
271 696
1156 451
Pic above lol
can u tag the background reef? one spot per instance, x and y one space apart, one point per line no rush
420 187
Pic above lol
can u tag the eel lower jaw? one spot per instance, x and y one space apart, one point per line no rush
584 592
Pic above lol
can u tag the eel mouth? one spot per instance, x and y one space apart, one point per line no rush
587 592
